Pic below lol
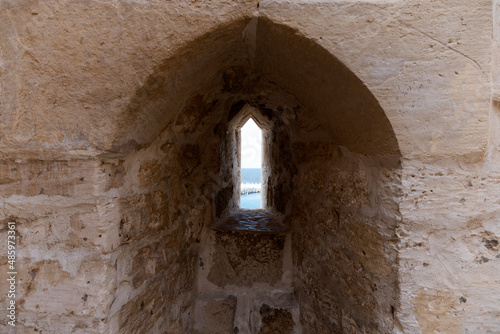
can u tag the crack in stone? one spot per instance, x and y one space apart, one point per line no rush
446 46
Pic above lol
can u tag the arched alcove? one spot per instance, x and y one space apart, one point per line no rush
351 114
333 180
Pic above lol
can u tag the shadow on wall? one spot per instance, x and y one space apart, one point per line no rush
345 106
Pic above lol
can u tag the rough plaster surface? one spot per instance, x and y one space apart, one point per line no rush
114 146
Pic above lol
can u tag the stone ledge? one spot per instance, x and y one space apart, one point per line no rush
256 221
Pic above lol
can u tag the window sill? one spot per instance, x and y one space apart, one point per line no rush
256 221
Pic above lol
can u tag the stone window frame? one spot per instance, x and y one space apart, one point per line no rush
233 217
265 126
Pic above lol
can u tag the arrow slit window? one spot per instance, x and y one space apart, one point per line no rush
251 166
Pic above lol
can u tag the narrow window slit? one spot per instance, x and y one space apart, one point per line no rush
251 166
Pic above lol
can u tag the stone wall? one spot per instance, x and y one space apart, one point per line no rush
345 242
115 158
171 193
66 278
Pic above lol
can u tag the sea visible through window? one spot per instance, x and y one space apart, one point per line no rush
251 166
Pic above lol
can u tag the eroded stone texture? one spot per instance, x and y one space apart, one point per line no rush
243 258
275 320
345 240
447 261
52 178
118 152
144 311
218 316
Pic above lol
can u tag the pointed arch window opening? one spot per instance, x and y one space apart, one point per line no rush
251 165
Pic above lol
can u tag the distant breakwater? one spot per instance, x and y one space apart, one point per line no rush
250 188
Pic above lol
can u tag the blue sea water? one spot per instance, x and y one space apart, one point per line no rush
250 201
250 175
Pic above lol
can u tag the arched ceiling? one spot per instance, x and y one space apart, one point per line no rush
274 52
192 71
345 107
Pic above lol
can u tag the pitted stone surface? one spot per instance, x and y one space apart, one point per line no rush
382 160
244 258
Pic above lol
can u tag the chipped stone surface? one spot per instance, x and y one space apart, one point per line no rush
275 320
119 149
217 316
345 242
244 259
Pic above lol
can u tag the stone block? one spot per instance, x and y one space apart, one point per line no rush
37 177
243 259
48 289
140 314
215 316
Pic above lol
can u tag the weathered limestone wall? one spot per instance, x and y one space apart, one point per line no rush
107 242
428 65
344 239
449 242
80 63
156 261
66 277
343 214
448 251
252 269
102 124
245 274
